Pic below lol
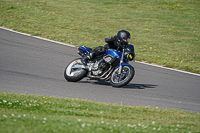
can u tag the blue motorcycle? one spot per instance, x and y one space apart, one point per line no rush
110 66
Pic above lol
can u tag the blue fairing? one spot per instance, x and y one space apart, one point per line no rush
131 47
113 53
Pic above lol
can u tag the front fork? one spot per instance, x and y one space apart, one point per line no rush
121 61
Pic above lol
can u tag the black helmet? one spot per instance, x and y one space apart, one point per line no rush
124 36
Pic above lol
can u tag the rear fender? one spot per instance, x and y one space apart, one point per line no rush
84 49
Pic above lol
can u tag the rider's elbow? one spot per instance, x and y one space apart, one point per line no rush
109 39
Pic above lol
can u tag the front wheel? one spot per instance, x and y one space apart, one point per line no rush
119 80
74 74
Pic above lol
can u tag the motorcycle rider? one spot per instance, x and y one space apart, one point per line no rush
114 42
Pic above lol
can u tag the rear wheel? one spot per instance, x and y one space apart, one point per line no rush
119 80
74 74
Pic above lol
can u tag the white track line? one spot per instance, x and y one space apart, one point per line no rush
74 46
169 68
37 37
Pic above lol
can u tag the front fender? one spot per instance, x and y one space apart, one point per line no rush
123 64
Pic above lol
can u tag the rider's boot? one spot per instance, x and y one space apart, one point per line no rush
87 57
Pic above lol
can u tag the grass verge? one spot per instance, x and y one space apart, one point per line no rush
30 113
165 32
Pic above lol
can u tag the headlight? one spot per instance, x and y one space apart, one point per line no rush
130 56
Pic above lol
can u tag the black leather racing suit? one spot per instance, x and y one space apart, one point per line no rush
112 43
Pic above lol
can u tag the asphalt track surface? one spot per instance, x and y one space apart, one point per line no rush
30 65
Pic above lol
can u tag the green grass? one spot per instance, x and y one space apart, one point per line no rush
29 113
164 32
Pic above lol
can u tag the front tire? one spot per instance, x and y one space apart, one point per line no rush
74 75
119 80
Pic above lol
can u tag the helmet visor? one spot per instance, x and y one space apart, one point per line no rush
127 40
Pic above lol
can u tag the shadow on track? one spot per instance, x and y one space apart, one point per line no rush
128 86
139 86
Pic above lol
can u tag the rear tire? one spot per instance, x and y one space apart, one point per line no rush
124 78
74 75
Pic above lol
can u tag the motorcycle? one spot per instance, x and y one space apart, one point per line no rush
110 66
